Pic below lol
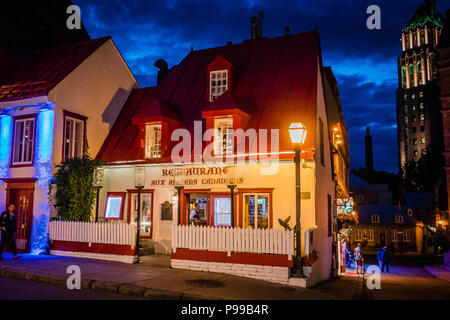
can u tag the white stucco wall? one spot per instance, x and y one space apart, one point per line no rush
322 243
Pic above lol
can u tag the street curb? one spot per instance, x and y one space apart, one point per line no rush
109 286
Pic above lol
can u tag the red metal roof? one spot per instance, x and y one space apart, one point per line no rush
274 81
40 73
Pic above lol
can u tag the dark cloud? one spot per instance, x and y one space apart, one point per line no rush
363 60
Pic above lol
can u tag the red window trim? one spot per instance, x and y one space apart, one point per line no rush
146 191
21 117
75 116
122 204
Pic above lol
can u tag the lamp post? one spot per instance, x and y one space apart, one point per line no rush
98 184
297 132
139 182
179 186
232 185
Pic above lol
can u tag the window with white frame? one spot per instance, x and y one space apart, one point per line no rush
23 141
394 234
375 218
398 219
223 136
73 137
370 235
358 234
218 83
406 235
153 140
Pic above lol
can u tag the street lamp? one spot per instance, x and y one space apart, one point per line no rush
139 182
98 184
232 185
179 186
297 132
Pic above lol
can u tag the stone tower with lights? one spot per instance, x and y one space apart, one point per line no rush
418 109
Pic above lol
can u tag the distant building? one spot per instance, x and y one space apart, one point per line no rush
444 74
418 116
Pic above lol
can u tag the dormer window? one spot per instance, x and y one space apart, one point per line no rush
218 84
398 219
375 218
223 136
153 140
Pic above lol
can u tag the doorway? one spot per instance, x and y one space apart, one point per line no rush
382 239
20 192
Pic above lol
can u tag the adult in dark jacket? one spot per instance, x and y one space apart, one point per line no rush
386 259
8 225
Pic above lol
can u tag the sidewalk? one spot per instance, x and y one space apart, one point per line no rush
438 271
154 279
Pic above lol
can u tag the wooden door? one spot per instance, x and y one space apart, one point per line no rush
23 201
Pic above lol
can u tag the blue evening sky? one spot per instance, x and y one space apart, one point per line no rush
364 61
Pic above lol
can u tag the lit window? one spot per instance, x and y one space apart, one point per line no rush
405 235
423 140
218 84
223 136
394 234
413 96
405 96
413 107
370 235
415 141
421 105
73 137
358 234
416 154
422 117
375 218
256 211
421 94
406 119
153 141
23 141
222 212
398 219
414 119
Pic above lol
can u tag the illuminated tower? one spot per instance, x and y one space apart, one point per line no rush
418 115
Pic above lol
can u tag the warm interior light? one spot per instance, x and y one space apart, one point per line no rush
335 129
297 131
353 213
440 222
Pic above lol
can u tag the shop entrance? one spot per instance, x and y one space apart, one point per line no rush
20 193
197 208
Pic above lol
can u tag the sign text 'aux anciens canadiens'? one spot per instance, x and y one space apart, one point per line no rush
196 176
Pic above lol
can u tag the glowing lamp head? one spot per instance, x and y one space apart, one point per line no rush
297 131
139 177
441 222
98 177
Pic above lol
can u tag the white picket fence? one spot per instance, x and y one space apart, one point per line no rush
267 241
93 232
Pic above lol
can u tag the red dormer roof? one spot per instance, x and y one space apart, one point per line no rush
41 72
155 110
276 85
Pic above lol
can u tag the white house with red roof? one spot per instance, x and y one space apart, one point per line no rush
51 102
210 201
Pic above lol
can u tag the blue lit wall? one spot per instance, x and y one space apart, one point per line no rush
43 161
6 126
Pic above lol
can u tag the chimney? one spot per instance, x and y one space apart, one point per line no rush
260 23
287 30
369 151
254 31
163 69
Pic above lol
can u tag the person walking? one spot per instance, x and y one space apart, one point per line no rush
359 260
380 258
8 225
386 257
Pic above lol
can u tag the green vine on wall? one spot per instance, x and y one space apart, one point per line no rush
75 193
